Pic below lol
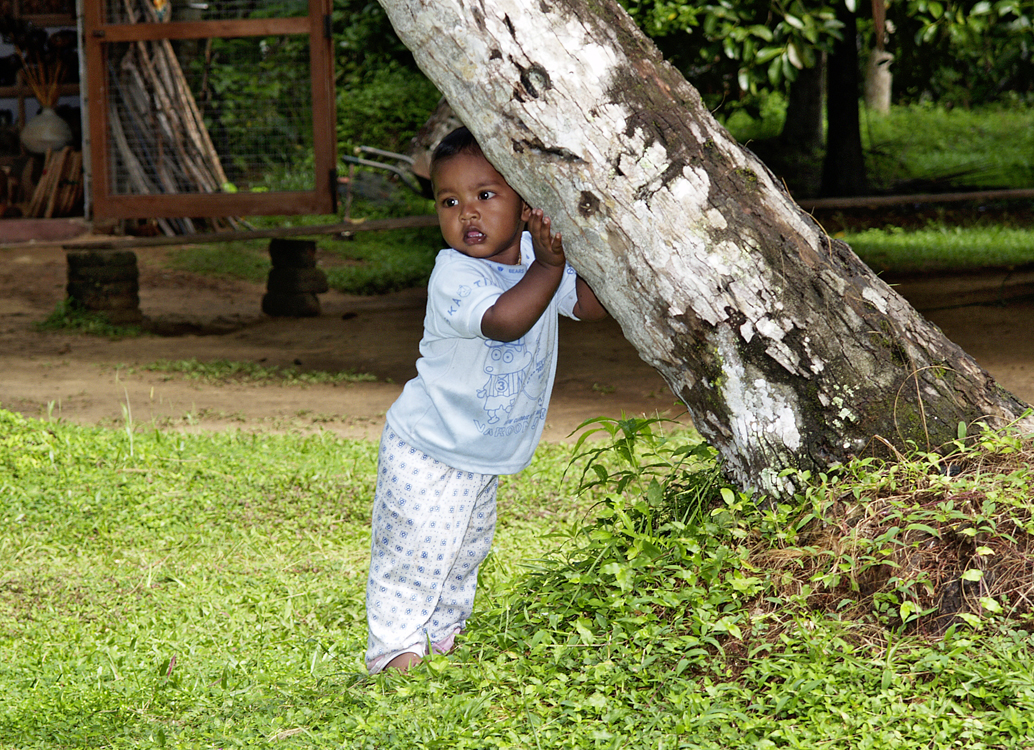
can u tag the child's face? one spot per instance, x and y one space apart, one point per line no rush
479 214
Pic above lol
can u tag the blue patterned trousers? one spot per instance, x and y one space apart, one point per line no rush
432 528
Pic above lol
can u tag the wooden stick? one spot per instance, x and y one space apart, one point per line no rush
169 138
204 138
41 186
55 181
69 184
137 177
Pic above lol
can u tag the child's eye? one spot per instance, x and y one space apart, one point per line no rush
449 202
485 195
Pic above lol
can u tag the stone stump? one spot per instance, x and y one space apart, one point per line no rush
105 281
294 281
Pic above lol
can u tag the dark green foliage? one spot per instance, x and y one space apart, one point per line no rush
384 108
731 50
382 97
256 102
962 52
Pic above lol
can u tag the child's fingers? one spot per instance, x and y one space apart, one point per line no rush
558 243
548 246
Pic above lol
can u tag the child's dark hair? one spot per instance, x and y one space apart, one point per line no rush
459 141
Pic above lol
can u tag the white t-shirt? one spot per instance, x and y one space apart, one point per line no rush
478 404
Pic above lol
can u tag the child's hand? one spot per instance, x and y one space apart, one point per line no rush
549 247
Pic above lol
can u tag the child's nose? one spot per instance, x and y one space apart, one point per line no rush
468 210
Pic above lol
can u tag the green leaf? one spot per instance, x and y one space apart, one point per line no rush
925 528
582 626
972 575
990 604
793 55
794 21
762 32
907 611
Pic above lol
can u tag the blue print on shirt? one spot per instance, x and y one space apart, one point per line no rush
507 368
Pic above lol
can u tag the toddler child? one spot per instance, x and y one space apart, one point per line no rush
476 408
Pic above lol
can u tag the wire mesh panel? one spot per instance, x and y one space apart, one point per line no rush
210 110
210 115
123 11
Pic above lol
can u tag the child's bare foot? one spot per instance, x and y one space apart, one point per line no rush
403 662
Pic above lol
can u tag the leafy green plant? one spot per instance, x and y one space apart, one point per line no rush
383 97
384 107
924 541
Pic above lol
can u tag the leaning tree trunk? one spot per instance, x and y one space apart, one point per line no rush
787 350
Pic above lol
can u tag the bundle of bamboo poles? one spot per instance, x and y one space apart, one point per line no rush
43 79
160 140
60 187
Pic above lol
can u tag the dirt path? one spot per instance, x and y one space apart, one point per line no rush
94 380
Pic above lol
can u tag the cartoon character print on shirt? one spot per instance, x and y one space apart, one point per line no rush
507 368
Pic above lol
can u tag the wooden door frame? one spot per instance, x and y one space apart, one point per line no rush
321 200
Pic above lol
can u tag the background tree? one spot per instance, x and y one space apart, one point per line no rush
843 168
786 349
952 51
736 53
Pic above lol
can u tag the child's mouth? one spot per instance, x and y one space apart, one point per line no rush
473 237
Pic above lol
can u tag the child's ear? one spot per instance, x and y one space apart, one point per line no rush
525 211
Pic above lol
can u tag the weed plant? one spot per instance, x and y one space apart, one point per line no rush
174 590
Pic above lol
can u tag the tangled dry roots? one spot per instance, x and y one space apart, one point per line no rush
955 537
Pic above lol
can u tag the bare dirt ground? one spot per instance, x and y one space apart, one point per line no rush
94 380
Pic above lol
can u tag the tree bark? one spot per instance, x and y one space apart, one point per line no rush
786 349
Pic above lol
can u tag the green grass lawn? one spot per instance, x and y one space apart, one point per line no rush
942 247
203 591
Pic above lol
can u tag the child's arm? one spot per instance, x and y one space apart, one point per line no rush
587 307
518 308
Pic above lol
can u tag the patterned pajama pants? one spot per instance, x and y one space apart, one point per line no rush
432 528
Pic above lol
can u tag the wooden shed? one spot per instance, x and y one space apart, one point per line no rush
191 111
